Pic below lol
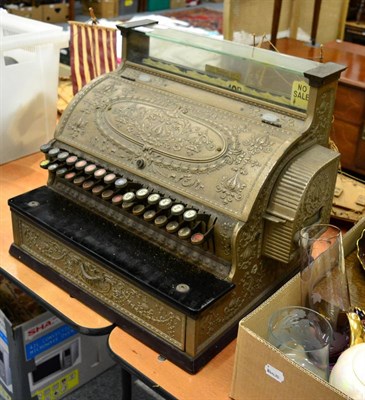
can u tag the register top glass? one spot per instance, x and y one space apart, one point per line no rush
247 70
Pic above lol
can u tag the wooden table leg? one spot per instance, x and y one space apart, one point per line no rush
316 11
71 10
275 23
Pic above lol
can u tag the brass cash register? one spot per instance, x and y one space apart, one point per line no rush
178 184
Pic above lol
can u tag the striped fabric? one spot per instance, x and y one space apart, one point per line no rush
92 52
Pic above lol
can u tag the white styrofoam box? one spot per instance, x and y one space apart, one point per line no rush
29 64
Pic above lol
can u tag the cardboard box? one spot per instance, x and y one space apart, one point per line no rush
263 372
102 8
52 13
29 63
55 13
40 356
35 12
177 3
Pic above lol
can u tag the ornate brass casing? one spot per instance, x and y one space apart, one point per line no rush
248 163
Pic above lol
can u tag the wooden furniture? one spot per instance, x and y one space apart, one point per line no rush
355 32
355 22
348 131
349 124
212 382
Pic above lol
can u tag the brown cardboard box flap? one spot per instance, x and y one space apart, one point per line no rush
265 373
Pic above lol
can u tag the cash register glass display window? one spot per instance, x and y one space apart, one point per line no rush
252 71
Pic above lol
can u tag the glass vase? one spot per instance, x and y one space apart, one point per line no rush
324 286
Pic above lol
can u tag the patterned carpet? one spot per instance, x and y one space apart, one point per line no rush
200 17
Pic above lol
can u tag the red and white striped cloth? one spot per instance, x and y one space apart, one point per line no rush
92 52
